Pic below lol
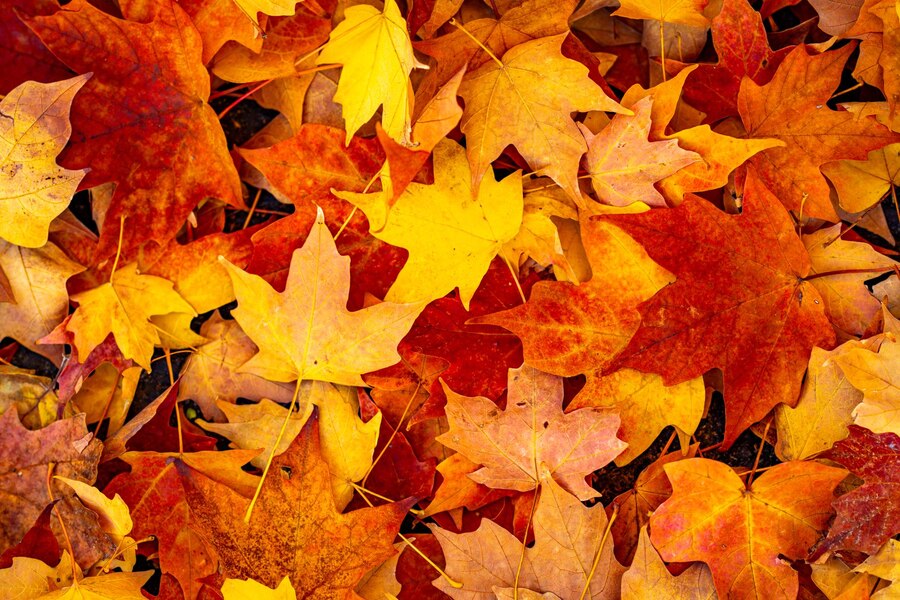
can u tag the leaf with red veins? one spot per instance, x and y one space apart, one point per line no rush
142 120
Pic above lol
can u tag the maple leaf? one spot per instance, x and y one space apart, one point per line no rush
154 69
34 128
306 332
792 108
645 406
295 529
239 589
781 513
568 558
377 57
648 577
37 279
886 565
569 445
568 329
876 376
251 8
739 37
624 164
154 491
451 234
867 516
25 460
510 101
739 304
128 301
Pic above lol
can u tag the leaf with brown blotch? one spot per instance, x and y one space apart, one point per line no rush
792 108
154 491
870 514
295 529
571 555
511 102
33 130
781 513
38 283
531 433
26 458
648 577
568 329
624 164
739 304
154 69
306 332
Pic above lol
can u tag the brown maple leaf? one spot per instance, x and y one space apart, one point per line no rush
295 530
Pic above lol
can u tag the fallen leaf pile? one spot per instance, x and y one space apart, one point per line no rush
471 299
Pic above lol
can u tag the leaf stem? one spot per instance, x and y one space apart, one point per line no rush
252 208
662 47
894 268
280 437
62 524
456 24
762 444
249 93
524 542
599 553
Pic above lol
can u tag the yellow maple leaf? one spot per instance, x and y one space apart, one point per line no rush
451 235
123 306
34 128
306 332
377 55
